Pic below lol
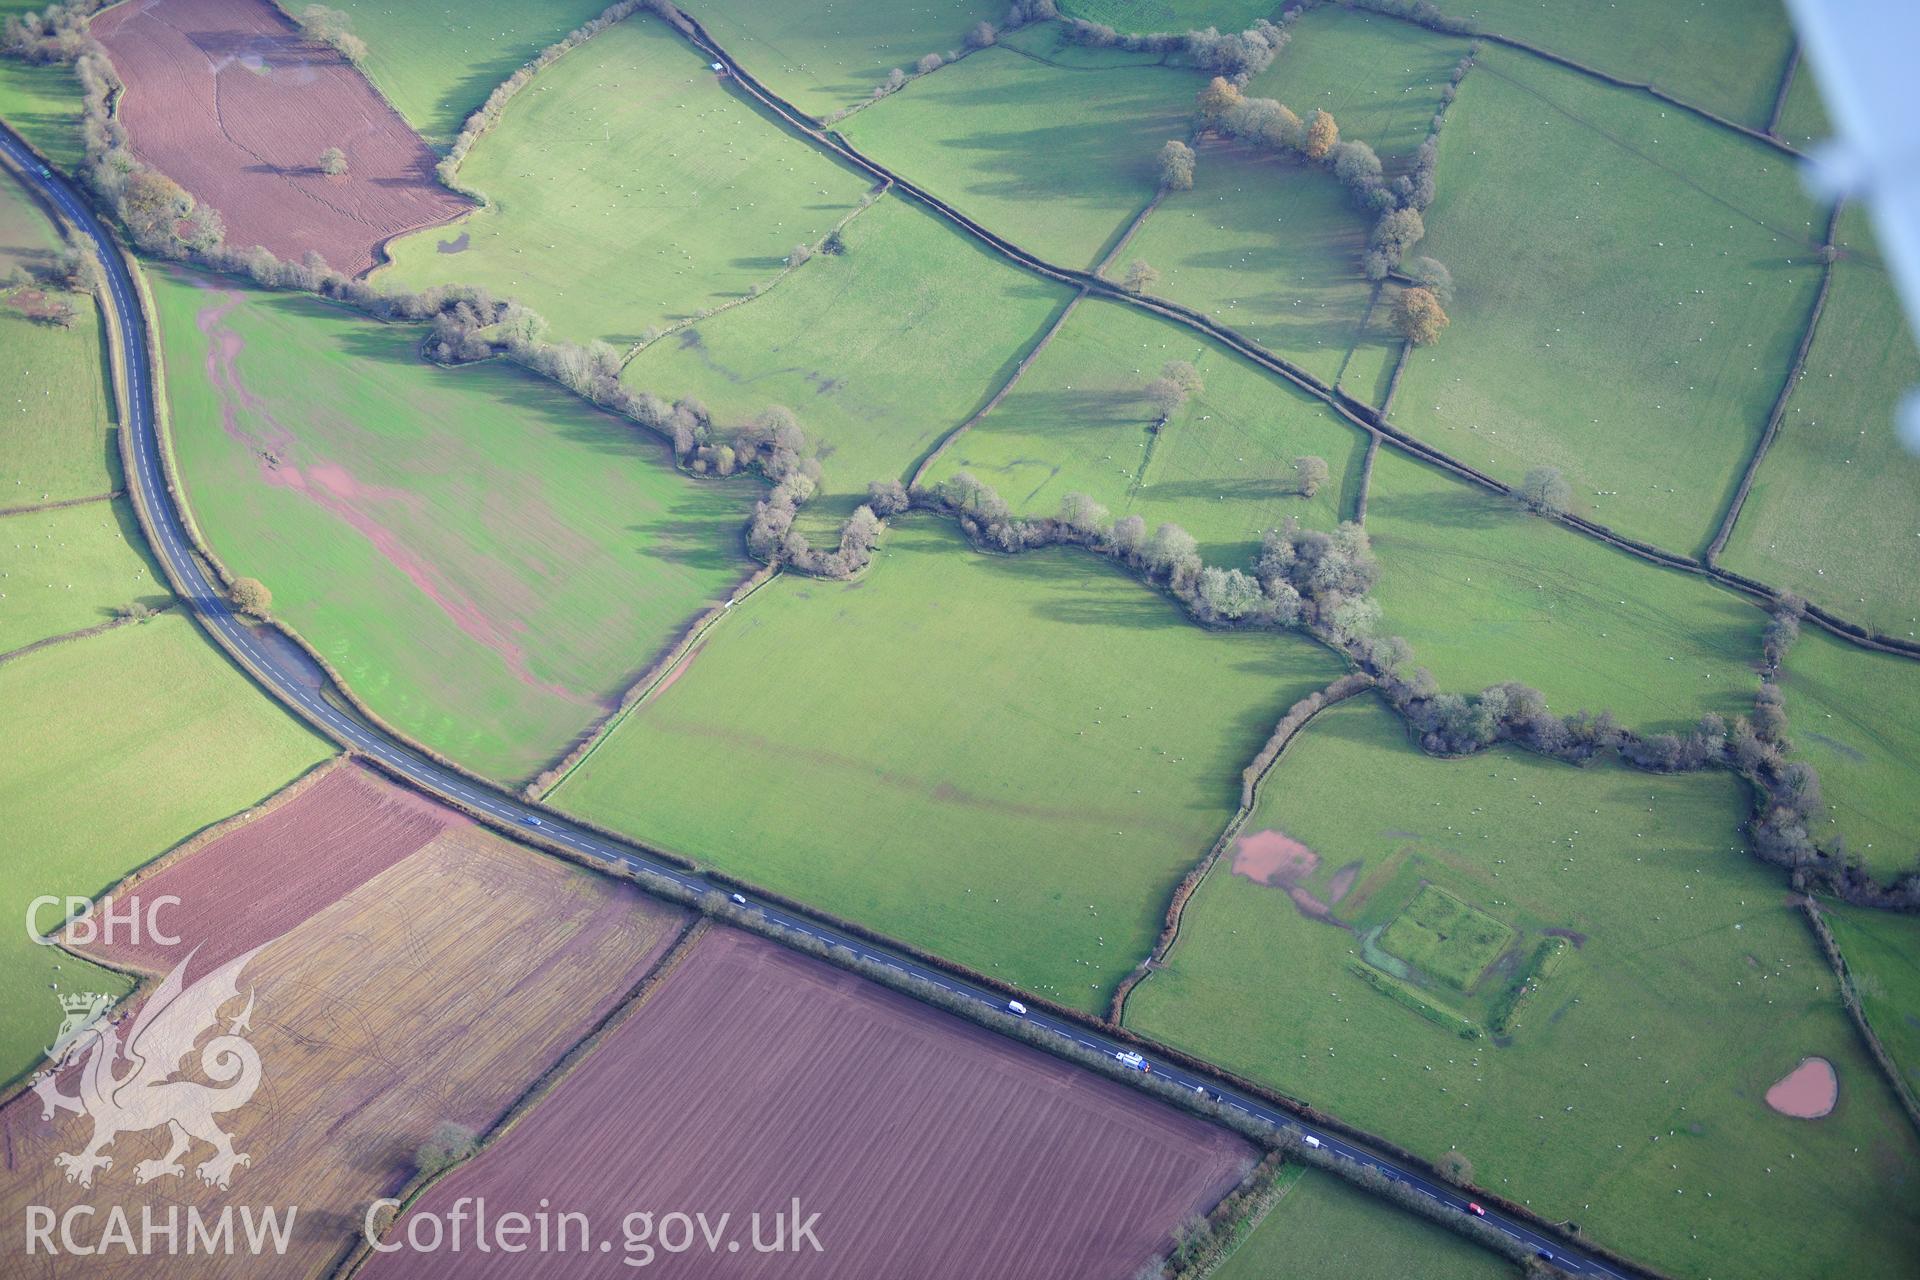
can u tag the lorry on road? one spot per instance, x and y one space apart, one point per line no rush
1127 1058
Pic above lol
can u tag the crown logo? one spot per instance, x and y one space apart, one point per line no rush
83 1009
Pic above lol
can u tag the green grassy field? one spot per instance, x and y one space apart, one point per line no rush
1882 951
1222 467
437 61
1724 55
1835 511
27 239
823 56
1629 1098
1058 161
1266 247
629 187
1486 592
54 403
119 746
1631 288
1006 761
1854 715
1324 1228
1169 15
69 568
42 103
482 557
881 349
1380 78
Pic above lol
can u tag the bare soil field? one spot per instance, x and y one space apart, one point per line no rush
229 100
306 849
927 1146
434 992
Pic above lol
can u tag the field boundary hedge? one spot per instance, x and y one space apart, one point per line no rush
1393 379
1132 229
33 507
1359 331
1365 485
1297 717
98 628
1786 87
1850 996
1788 385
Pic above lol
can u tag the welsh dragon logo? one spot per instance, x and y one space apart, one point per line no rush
130 1086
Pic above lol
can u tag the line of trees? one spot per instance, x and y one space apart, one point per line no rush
1302 577
57 33
1238 56
1268 123
1755 746
1424 12
1398 204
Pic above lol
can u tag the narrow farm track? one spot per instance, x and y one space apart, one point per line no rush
279 672
1356 413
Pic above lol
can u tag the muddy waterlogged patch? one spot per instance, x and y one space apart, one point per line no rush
1807 1092
1273 858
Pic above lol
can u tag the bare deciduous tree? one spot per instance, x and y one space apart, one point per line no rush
1140 277
1545 490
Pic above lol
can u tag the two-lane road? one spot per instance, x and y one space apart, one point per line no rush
292 685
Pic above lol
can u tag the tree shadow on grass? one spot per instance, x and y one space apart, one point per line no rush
694 538
1037 412
1234 489
1455 507
522 396
1024 162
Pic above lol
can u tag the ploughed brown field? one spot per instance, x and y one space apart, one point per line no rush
228 99
752 1076
434 989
